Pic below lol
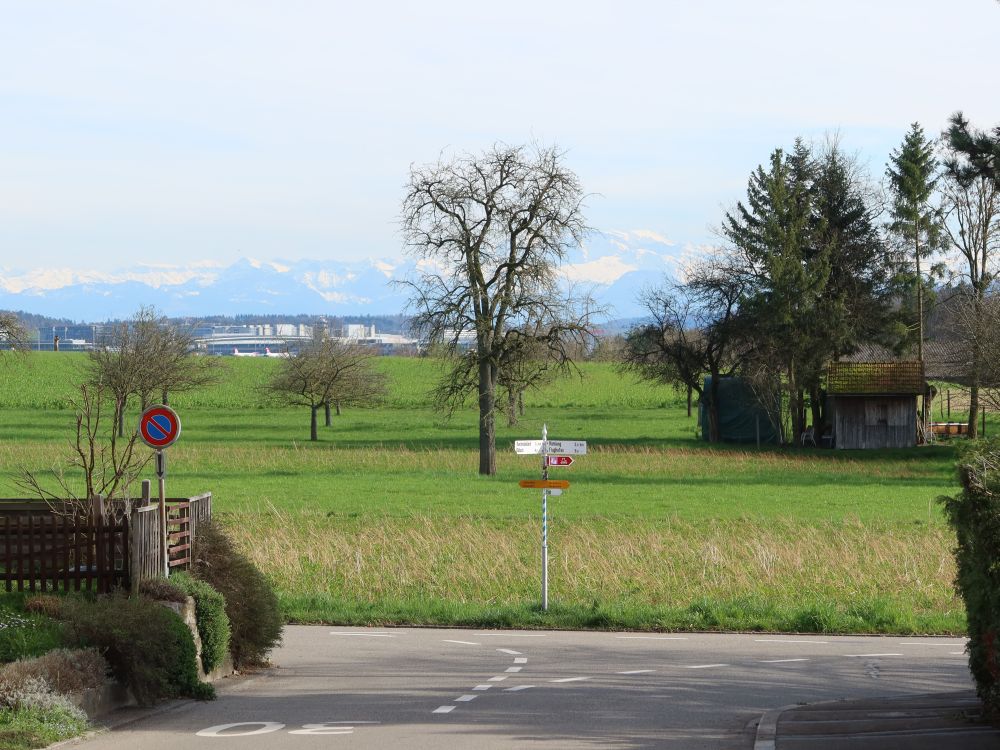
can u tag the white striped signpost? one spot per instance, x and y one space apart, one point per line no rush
553 453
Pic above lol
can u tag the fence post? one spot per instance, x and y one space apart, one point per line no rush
133 546
97 508
146 492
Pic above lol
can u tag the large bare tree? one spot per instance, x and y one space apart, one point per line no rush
491 230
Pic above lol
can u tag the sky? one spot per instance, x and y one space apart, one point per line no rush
186 133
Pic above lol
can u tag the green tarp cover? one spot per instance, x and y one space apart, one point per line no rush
739 413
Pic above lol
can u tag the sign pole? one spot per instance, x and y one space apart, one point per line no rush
545 520
161 473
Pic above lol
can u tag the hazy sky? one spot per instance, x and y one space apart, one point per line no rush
156 132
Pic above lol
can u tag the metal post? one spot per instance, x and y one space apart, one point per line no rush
161 471
545 520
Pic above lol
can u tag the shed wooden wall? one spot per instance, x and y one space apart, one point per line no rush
875 421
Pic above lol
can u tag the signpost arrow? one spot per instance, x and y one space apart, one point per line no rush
560 460
544 484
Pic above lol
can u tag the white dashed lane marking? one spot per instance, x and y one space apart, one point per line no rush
570 679
638 671
365 635
466 698
650 638
443 710
778 661
462 643
518 687
513 669
868 655
704 666
498 678
521 660
510 651
785 640
482 687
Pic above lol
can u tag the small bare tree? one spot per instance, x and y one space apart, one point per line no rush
328 371
145 357
491 231
109 464
693 330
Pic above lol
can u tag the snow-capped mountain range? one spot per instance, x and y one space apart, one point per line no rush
617 265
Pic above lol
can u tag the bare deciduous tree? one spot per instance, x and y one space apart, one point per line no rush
328 371
972 211
12 333
145 357
109 464
693 331
491 231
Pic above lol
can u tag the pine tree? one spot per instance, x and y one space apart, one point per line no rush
912 172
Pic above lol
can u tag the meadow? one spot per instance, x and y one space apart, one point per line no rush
385 520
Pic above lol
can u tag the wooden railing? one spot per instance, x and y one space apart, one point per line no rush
46 546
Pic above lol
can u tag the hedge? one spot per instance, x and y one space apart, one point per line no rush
975 517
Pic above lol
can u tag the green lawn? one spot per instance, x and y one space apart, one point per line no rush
386 520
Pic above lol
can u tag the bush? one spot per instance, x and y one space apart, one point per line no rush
213 623
251 604
162 590
34 726
63 670
27 634
149 647
975 516
44 604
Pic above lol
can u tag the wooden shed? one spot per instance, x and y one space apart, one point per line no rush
874 404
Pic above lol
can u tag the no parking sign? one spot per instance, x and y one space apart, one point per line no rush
159 427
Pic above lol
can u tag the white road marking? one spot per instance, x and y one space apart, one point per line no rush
443 710
482 687
521 660
785 640
956 653
638 671
928 643
499 678
862 655
466 698
704 666
518 687
778 661
510 651
513 669
517 635
570 679
366 635
650 638
462 643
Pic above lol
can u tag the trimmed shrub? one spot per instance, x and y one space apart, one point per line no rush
31 727
44 604
162 590
251 604
63 670
213 623
975 516
149 647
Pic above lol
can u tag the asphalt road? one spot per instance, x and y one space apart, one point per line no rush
415 688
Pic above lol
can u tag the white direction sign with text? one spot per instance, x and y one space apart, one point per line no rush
566 447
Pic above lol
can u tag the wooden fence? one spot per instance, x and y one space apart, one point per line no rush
45 547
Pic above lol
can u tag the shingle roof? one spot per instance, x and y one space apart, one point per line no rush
876 378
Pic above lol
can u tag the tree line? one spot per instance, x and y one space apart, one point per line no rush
817 261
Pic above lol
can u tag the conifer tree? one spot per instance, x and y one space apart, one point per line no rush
912 174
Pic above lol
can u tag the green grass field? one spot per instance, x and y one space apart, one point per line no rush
386 520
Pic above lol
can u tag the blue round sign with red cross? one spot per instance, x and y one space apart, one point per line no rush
159 426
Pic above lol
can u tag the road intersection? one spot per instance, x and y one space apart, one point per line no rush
433 688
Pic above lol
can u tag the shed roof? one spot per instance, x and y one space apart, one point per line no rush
876 378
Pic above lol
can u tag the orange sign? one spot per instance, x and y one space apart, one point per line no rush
544 484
